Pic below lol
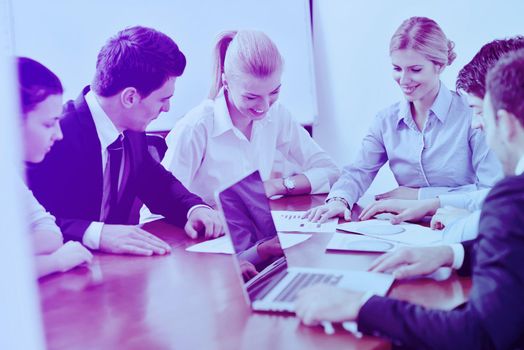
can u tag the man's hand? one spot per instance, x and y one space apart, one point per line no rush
204 219
404 209
327 211
327 303
70 255
407 262
400 192
444 217
127 239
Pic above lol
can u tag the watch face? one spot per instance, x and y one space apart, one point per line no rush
289 184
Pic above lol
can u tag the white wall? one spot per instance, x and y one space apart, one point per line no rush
20 323
67 35
351 40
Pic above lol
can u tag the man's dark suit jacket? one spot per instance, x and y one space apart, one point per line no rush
493 317
68 182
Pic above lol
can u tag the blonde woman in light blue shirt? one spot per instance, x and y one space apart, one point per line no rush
426 138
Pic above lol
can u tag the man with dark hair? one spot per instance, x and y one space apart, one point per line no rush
93 178
458 213
493 317
472 77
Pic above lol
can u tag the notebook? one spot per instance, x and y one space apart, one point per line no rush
268 283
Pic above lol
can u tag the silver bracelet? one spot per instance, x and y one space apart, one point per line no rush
340 199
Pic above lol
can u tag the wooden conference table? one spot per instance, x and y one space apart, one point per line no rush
194 301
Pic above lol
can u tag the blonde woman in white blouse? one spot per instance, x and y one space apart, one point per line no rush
242 127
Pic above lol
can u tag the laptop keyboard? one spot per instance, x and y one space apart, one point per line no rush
303 280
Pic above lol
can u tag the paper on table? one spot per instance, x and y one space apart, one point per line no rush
351 242
291 221
413 234
223 244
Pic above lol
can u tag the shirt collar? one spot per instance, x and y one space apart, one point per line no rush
520 166
222 119
106 130
440 107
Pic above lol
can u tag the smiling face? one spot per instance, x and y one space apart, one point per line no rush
144 110
251 97
417 76
41 128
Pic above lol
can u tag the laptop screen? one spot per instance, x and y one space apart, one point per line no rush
246 211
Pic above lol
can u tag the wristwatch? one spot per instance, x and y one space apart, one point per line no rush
289 184
339 199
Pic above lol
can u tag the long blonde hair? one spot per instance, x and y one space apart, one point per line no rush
245 51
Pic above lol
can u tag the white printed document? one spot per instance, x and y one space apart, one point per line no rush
291 221
223 244
360 243
407 233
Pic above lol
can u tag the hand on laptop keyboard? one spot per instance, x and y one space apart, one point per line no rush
327 303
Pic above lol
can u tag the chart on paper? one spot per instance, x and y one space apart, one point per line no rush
292 221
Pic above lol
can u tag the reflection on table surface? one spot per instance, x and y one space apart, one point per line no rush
193 301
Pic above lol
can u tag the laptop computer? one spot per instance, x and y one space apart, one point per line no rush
268 283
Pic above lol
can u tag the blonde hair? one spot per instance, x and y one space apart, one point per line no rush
425 36
246 51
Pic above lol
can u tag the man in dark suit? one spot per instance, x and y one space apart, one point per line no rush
493 318
91 179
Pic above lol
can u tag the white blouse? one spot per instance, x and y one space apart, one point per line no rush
206 152
39 218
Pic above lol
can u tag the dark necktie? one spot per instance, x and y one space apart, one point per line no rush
115 153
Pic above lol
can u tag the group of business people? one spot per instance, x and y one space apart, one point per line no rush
100 172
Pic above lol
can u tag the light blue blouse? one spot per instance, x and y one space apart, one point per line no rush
447 155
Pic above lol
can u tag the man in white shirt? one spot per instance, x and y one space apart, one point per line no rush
91 180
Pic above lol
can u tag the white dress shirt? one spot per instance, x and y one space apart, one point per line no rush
107 134
471 201
458 249
206 152
466 228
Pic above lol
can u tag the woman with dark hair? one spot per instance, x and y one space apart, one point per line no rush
41 107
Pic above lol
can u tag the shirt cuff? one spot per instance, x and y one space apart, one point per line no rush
431 192
464 229
318 180
452 200
196 207
92 235
458 256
